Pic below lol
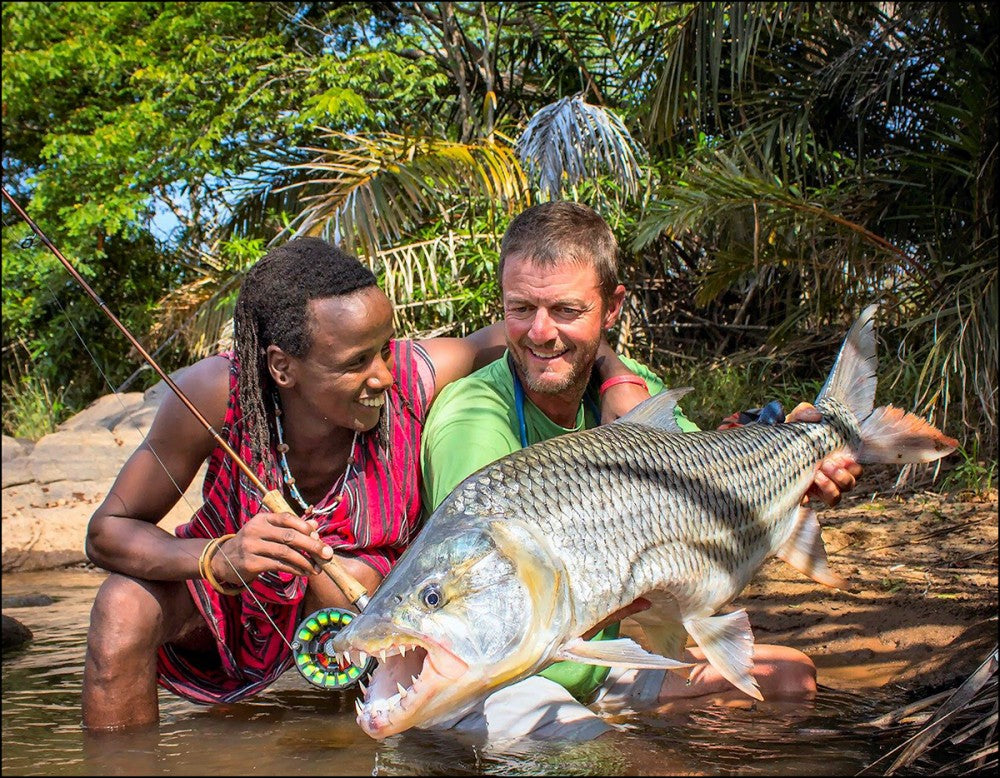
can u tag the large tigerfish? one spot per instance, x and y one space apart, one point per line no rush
533 550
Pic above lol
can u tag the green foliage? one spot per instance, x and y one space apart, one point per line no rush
769 168
817 157
31 406
719 390
973 474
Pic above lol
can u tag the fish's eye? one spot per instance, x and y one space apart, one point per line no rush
431 596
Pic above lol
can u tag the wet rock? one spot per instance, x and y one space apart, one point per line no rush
15 634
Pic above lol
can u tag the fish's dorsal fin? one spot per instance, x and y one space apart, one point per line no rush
727 641
657 411
852 379
804 549
620 652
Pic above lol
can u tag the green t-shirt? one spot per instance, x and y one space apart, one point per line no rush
473 422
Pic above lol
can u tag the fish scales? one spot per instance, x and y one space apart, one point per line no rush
529 552
678 512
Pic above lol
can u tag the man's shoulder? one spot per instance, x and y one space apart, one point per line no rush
635 365
491 385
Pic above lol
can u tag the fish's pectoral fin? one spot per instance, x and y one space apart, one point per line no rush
804 549
535 568
621 652
727 641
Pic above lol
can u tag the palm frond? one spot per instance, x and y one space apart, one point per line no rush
366 192
432 282
966 714
693 68
569 141
766 218
200 312
954 346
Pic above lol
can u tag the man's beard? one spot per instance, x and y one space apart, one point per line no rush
576 379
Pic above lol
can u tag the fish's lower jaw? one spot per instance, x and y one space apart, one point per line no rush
405 687
415 706
379 725
382 715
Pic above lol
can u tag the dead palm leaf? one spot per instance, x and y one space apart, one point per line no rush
966 711
569 141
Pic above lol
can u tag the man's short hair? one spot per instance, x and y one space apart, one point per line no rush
562 231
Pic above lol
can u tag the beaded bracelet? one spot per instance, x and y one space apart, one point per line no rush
621 379
205 566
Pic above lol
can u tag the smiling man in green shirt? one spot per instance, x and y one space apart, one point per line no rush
558 273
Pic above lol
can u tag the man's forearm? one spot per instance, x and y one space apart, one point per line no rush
137 548
607 364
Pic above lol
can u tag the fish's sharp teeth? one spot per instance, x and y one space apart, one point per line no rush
363 659
364 689
347 656
402 650
382 654
402 691
357 707
413 680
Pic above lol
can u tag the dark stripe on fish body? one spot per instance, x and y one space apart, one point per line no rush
620 501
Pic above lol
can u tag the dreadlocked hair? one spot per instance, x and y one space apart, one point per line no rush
273 309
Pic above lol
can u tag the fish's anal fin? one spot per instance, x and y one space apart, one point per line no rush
892 436
621 652
804 549
727 641
664 636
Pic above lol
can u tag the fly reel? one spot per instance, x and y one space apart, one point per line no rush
315 659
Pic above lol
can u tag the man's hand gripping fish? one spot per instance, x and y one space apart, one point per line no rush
533 550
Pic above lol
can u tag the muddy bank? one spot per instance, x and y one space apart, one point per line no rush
921 610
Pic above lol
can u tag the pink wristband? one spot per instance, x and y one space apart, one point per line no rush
621 379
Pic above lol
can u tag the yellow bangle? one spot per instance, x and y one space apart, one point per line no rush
205 566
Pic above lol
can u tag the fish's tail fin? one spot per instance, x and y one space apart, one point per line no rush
888 435
853 377
891 435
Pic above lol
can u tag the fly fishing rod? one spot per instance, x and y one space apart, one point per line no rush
312 647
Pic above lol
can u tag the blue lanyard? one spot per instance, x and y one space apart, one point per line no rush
519 405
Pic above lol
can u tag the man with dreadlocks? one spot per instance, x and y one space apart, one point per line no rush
317 387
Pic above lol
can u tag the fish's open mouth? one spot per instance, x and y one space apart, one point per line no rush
407 677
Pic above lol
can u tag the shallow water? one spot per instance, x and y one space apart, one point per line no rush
294 728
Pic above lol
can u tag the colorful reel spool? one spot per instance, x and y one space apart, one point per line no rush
313 651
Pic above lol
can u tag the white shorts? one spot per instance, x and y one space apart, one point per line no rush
541 709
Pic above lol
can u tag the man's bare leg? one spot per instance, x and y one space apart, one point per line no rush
322 592
129 621
782 673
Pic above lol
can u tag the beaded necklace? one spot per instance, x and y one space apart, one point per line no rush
338 485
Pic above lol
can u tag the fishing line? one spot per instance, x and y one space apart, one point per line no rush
156 456
271 498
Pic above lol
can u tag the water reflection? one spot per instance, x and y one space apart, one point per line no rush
294 728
